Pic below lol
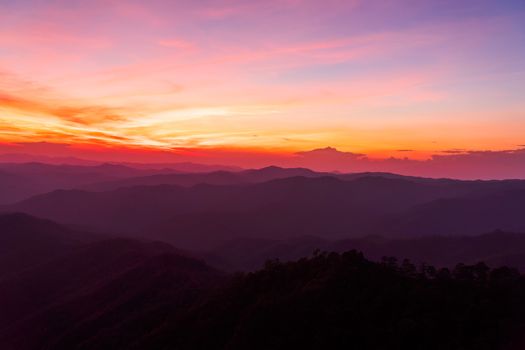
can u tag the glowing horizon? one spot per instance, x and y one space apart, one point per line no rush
382 78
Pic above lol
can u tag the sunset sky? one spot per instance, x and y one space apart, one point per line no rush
378 78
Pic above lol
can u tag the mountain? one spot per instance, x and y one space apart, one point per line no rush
250 176
99 296
31 158
341 301
26 241
210 178
206 214
121 210
73 290
202 216
334 209
19 181
274 172
496 249
14 187
184 167
129 294
185 180
464 215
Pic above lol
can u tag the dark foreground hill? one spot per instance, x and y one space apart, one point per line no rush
103 295
26 241
341 301
334 301
77 293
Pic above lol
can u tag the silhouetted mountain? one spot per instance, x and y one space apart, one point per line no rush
43 169
128 294
274 172
184 167
185 180
26 241
14 187
250 176
353 176
100 296
344 301
125 209
211 178
463 216
250 253
19 181
496 249
31 158
203 216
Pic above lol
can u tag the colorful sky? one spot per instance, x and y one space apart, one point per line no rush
263 80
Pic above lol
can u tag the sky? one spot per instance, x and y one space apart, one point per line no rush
253 83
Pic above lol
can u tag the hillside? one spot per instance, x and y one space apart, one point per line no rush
204 215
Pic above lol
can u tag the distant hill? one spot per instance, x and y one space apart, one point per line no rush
210 178
206 214
15 187
20 181
185 180
202 216
250 176
478 212
31 158
184 167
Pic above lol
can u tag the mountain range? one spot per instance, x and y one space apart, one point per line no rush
114 256
201 211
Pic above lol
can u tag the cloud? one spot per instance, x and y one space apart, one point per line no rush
461 164
89 115
454 151
78 114
32 99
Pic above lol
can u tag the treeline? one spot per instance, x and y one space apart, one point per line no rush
336 301
124 294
